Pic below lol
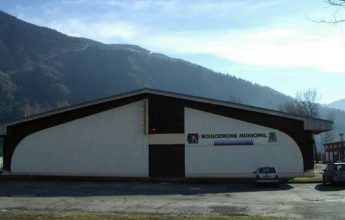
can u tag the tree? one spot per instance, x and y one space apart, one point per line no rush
328 136
305 104
338 4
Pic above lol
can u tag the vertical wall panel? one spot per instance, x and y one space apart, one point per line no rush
208 160
107 143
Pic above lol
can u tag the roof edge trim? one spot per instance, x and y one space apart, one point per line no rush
315 124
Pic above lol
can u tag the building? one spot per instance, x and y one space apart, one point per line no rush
334 151
151 133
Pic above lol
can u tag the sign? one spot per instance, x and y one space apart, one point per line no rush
243 138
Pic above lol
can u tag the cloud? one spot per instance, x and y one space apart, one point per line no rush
105 31
267 46
277 48
180 7
271 48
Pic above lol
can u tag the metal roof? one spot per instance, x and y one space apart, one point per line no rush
313 124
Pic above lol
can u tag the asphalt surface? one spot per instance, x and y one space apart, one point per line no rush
301 201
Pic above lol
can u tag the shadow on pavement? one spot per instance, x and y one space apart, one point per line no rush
330 187
78 189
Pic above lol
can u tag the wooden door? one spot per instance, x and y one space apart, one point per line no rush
166 161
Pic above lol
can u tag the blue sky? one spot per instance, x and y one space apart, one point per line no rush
270 42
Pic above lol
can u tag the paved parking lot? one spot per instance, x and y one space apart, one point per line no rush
313 201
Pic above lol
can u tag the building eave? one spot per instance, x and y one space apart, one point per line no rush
314 125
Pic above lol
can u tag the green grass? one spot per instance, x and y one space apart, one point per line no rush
318 170
110 216
307 179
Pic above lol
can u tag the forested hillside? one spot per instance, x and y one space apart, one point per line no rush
42 69
340 104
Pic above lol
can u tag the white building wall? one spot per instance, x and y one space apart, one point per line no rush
107 143
206 160
162 139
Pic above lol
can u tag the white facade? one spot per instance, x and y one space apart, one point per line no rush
111 143
115 143
164 139
205 159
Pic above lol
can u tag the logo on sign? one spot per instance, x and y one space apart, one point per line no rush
272 137
193 138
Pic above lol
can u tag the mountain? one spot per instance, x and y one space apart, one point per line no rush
42 69
340 104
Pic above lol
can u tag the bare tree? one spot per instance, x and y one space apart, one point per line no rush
338 5
328 136
305 104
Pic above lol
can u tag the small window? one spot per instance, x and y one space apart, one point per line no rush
165 116
267 170
339 167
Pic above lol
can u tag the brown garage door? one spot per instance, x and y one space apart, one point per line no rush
166 160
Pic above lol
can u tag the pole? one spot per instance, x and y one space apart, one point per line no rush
342 145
